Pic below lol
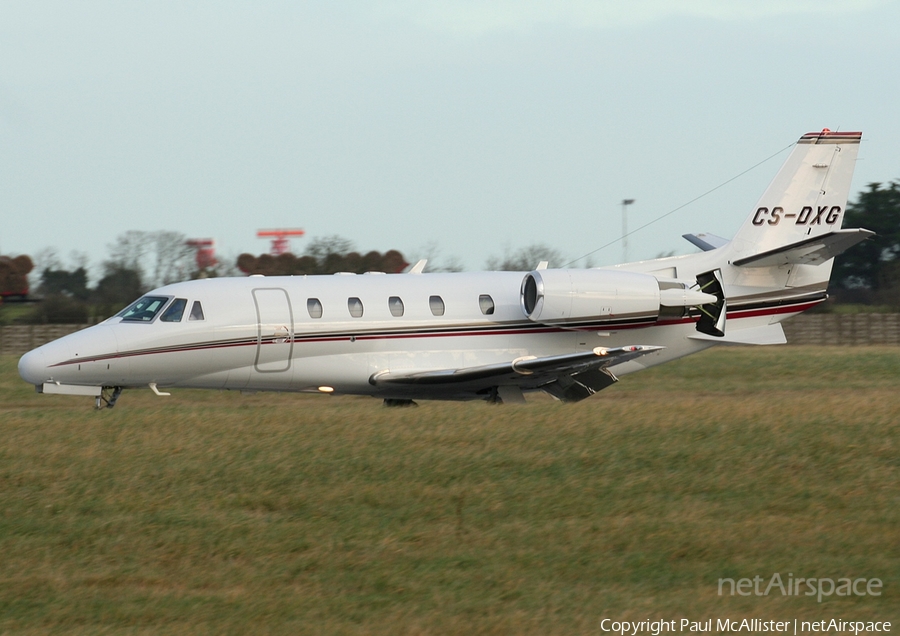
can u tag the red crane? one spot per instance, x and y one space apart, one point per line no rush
280 242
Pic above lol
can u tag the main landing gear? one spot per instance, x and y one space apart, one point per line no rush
394 402
107 397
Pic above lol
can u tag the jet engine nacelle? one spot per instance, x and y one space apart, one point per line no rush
563 296
572 296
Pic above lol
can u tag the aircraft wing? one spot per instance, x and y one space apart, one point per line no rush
569 377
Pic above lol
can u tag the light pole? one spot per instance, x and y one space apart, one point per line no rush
625 204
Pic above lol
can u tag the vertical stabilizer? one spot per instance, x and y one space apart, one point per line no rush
806 199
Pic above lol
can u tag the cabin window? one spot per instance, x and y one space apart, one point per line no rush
395 304
355 306
314 307
143 309
486 303
436 303
175 312
196 311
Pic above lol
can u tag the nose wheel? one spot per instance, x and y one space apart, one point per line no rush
108 396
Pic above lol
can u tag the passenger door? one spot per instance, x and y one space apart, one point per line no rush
275 335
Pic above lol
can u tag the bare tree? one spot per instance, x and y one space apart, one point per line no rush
322 247
79 259
526 259
436 261
160 257
228 266
172 257
129 250
46 258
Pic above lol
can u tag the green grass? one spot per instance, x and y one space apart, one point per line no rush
12 312
854 308
212 512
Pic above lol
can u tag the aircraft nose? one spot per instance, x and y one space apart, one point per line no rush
33 367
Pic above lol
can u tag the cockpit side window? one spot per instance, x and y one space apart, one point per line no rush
175 312
196 311
144 309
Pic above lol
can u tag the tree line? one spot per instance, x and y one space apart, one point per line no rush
326 255
139 261
869 272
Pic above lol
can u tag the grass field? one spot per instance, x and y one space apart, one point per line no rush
210 512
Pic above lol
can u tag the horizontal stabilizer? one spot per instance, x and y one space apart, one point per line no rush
811 251
706 242
765 335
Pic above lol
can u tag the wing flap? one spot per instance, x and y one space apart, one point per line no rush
579 386
526 372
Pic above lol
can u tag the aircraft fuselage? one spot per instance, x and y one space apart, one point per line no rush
299 333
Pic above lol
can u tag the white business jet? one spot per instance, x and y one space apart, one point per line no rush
489 335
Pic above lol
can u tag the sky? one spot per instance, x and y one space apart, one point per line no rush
454 130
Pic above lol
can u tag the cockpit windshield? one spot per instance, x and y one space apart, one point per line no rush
143 309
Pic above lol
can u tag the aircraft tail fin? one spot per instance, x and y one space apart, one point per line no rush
789 241
779 262
805 201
